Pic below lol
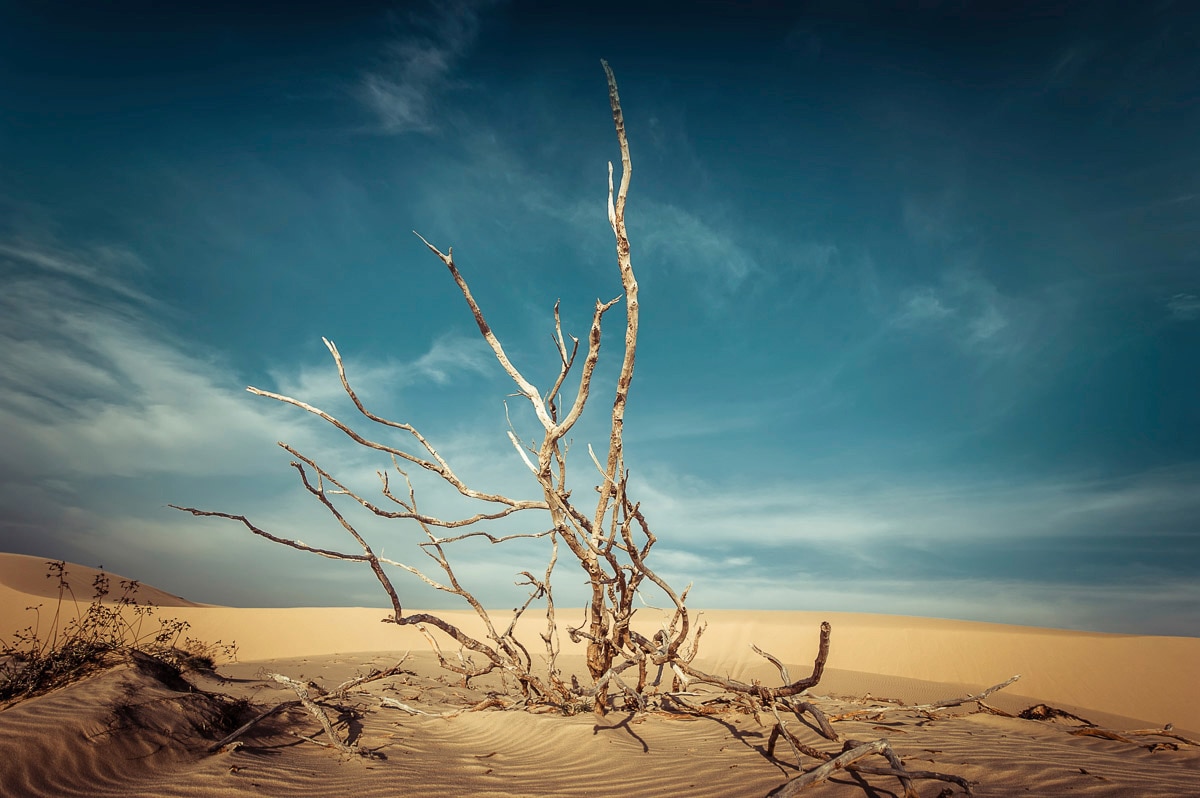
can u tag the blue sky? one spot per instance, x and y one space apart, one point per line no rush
920 289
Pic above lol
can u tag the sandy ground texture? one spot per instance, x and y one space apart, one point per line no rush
139 730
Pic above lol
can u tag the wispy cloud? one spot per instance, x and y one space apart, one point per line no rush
92 387
1184 307
105 417
922 306
402 90
449 356
1070 64
1070 551
107 264
987 324
929 219
849 514
98 400
968 309
712 259
90 384
1161 606
97 391
814 258
1139 208
690 245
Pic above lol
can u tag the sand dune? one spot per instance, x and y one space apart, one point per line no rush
25 574
132 731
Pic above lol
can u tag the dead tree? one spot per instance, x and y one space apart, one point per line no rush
610 541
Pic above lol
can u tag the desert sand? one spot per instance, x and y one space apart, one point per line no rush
135 731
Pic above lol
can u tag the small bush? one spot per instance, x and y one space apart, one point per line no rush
198 655
38 660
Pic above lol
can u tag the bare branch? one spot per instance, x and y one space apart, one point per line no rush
487 703
373 676
463 639
566 361
767 694
492 538
944 704
783 671
315 709
1124 736
248 725
437 465
954 702
523 385
823 725
842 762
294 544
585 377
318 491
521 451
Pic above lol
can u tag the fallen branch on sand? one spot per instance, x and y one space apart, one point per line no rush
305 700
1047 713
878 711
856 751
318 712
1124 736
248 725
487 703
853 751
